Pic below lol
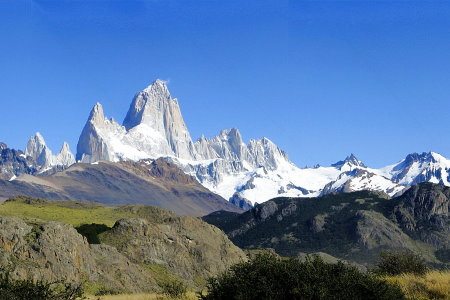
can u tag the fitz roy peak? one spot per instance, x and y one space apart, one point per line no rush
244 173
153 127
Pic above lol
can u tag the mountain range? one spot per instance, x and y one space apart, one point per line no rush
243 173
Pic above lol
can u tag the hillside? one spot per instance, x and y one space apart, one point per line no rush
147 182
353 226
128 249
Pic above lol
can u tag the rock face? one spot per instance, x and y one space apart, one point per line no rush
43 156
187 247
55 251
353 226
155 109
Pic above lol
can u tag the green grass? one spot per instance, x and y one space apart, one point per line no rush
433 285
78 213
73 213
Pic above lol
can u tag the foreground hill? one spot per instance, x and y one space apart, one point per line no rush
354 226
156 183
145 248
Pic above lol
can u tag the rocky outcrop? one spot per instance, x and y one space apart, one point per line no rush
130 257
186 246
56 252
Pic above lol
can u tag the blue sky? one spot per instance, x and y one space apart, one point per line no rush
320 78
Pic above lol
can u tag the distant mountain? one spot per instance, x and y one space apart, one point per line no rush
245 173
362 180
351 226
14 163
417 168
43 156
147 182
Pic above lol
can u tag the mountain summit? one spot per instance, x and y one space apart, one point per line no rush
43 156
153 127
158 114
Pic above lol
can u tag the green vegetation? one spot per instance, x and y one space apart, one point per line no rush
91 231
74 213
401 262
27 289
174 288
77 213
269 277
432 285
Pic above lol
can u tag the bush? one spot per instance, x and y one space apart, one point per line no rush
269 277
30 290
396 263
174 288
91 231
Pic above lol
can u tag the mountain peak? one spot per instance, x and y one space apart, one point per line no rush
424 157
97 114
65 157
350 162
38 150
38 138
232 134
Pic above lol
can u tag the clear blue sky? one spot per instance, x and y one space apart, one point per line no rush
320 78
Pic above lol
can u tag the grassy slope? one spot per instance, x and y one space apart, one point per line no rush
77 213
434 285
70 213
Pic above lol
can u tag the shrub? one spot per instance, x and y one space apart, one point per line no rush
40 290
174 288
396 263
269 277
91 231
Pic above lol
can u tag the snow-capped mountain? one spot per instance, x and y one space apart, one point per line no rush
417 168
153 127
245 173
43 156
362 179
